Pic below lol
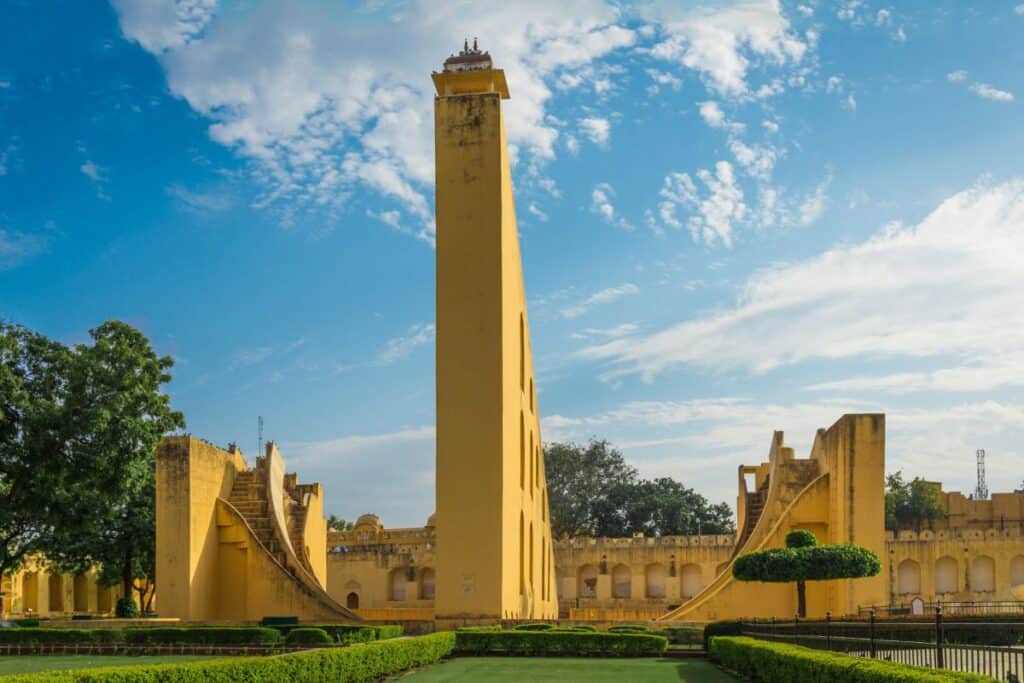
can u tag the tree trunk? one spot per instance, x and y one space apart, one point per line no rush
126 574
801 599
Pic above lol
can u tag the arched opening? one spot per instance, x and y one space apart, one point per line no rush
587 581
396 584
104 599
30 592
427 584
352 600
622 582
983 574
908 578
81 588
531 559
522 555
655 576
947 575
1017 571
692 581
56 586
533 462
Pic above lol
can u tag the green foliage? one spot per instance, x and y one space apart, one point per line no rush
592 491
909 505
559 642
29 622
485 628
800 538
533 627
279 621
370 662
308 636
815 563
78 427
338 524
629 628
126 608
726 627
763 661
385 631
348 634
683 635
60 636
202 635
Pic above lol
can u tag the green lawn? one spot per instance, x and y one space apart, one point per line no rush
566 670
30 664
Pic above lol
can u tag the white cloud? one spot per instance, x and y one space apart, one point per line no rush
92 172
883 17
714 213
604 296
850 102
1019 9
400 348
958 76
537 212
16 247
597 130
812 208
770 126
292 87
848 10
991 93
572 144
661 78
834 84
200 202
934 290
714 117
392 218
757 160
601 198
349 467
805 10
607 332
718 41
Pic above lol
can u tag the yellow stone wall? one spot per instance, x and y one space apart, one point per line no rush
490 475
35 590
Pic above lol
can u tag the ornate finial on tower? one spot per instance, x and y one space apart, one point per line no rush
469 59
465 47
476 50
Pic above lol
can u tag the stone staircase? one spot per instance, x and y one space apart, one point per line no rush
754 508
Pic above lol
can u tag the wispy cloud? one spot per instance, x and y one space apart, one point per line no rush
714 211
989 92
597 130
98 176
601 203
401 347
201 202
604 296
16 247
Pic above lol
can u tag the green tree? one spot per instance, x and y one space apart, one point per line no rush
594 492
909 505
95 448
338 524
804 560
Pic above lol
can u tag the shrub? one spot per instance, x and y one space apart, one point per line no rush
386 631
59 636
557 642
279 621
485 628
352 664
800 538
533 627
577 628
628 628
309 636
126 609
761 660
202 635
729 627
28 622
81 617
683 635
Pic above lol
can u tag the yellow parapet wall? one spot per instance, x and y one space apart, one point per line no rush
838 494
494 550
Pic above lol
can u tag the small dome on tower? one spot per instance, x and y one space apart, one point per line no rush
432 520
370 520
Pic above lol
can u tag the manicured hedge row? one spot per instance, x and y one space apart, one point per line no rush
548 643
203 635
349 634
309 636
683 635
386 631
368 662
768 662
60 636
533 627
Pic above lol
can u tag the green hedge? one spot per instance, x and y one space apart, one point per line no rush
533 627
808 563
764 661
551 643
683 635
628 628
203 635
29 622
349 634
386 631
60 636
309 636
330 665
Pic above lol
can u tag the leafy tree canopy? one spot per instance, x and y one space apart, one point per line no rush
78 429
335 523
910 505
593 491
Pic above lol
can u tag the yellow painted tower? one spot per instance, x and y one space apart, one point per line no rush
494 552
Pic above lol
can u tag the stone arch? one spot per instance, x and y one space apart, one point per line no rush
655 576
396 584
352 600
81 593
983 574
622 581
427 583
30 592
908 578
56 586
691 580
947 575
1017 571
586 583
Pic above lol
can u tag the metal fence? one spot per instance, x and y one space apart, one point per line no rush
125 649
921 608
991 647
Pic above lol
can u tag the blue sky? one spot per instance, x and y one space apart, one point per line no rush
735 217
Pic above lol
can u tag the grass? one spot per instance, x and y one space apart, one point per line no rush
26 664
567 670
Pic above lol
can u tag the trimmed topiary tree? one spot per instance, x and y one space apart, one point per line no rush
804 560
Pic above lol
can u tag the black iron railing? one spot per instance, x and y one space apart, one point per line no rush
991 647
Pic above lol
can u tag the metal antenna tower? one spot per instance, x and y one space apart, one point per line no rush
259 443
981 491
